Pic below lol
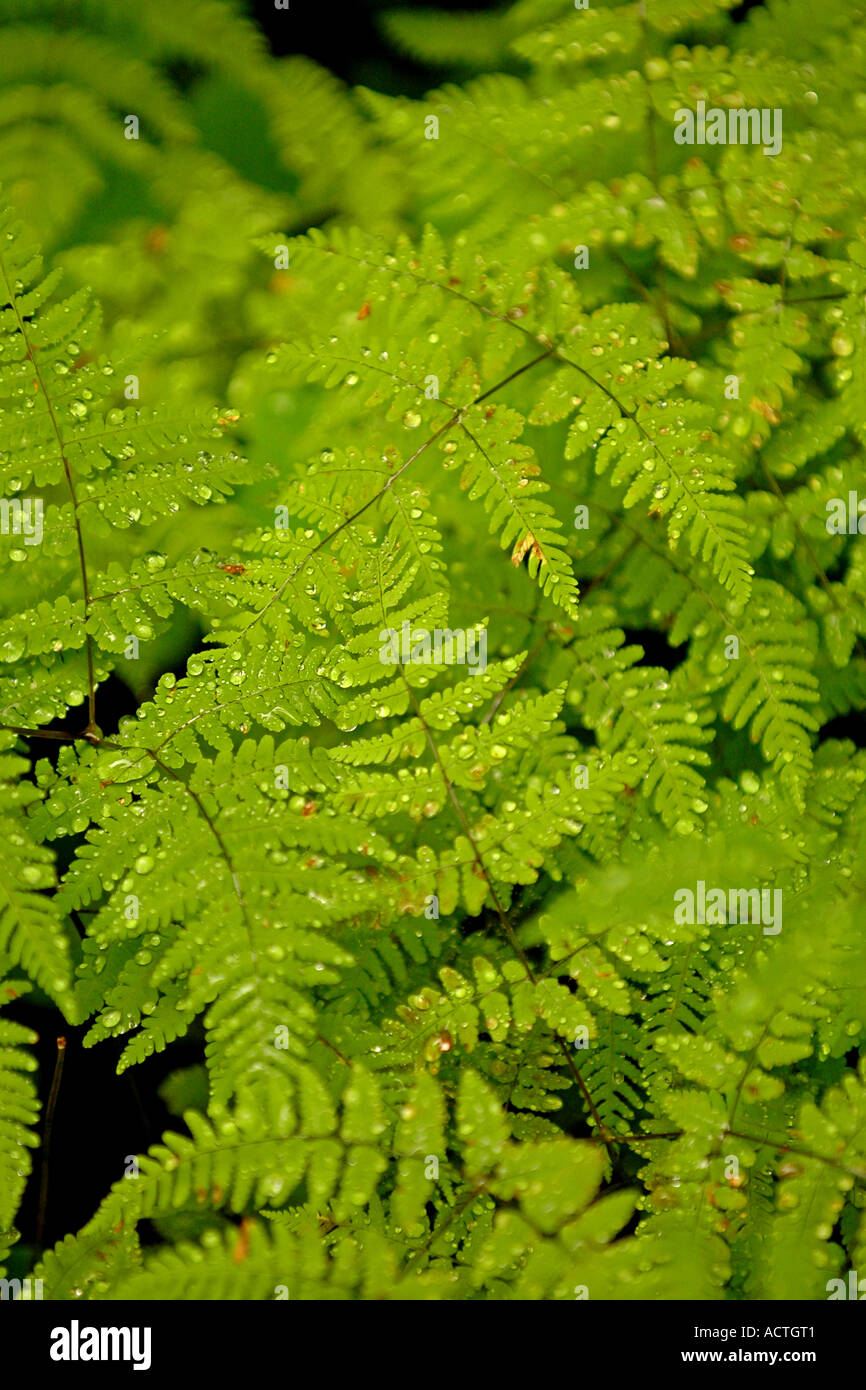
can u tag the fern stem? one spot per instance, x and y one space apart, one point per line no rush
13 302
41 733
46 1144
371 501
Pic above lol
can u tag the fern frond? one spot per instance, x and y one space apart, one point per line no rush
19 1110
31 927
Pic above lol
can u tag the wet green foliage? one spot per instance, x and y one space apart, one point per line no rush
507 360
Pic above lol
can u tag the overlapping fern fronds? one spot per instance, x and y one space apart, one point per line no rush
518 385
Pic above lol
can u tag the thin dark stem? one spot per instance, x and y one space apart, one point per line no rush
29 352
41 733
46 1144
477 1188
646 1138
802 1153
453 420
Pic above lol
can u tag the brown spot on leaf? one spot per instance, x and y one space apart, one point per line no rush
242 1246
762 408
522 548
156 240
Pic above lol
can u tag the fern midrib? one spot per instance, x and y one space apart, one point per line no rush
12 299
554 352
